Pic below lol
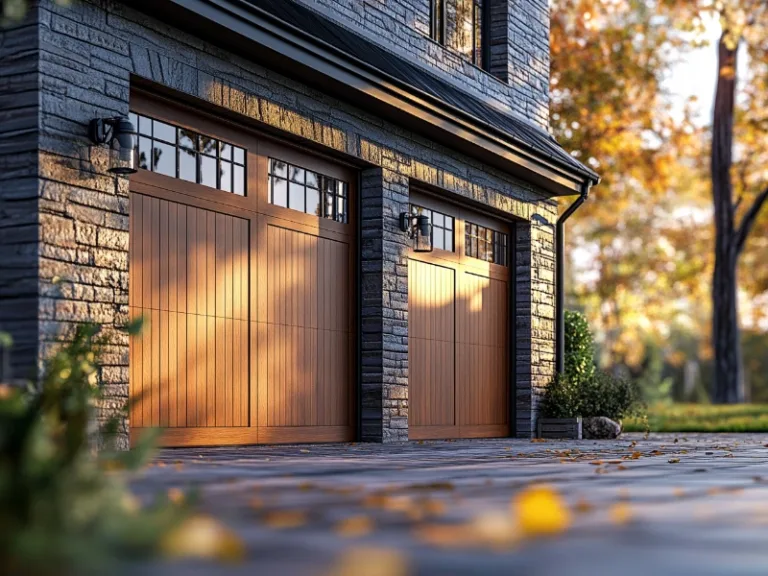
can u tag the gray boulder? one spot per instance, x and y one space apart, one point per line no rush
600 428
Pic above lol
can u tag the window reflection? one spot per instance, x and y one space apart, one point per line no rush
182 153
307 191
486 244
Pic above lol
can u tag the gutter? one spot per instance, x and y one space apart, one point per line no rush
560 277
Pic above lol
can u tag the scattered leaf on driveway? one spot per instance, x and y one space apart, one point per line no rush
354 526
540 510
203 537
583 506
673 460
366 561
285 519
620 513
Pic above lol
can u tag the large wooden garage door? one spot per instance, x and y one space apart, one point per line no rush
241 264
458 352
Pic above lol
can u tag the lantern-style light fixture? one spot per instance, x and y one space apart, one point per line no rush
419 229
120 135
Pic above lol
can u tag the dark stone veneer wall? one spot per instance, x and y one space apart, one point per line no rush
89 55
19 114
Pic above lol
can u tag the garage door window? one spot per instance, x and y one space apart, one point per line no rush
180 153
297 188
486 244
442 227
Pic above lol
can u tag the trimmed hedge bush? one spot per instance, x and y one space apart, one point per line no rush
583 390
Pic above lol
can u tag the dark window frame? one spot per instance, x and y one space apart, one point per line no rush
445 231
487 244
326 187
481 22
202 147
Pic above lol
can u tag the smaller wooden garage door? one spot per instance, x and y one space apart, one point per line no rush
242 256
458 345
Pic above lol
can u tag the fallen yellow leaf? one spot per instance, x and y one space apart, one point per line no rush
620 513
673 460
203 537
540 510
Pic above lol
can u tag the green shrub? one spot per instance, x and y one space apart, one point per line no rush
607 395
579 348
61 509
583 390
561 399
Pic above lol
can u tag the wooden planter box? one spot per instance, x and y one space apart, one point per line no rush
568 428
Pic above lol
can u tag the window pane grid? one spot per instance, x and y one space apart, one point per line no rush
180 153
442 227
459 25
486 244
307 191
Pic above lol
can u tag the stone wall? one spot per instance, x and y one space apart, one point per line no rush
518 77
384 250
19 118
91 52
520 53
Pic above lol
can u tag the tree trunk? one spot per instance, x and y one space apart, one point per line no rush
728 381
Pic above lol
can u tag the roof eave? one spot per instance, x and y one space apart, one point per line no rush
242 27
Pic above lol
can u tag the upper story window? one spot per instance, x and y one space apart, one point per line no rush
300 189
181 153
442 227
486 244
461 26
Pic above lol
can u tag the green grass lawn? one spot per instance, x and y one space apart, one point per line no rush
703 418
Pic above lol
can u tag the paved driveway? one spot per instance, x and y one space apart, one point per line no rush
685 504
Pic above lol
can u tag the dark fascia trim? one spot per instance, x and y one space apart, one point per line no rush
246 29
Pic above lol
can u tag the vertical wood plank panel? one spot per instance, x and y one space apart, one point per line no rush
211 396
192 370
223 372
182 362
165 375
202 370
154 418
135 251
182 261
211 264
237 381
164 255
146 259
173 252
192 273
173 369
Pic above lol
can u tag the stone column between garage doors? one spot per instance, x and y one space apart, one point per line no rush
384 291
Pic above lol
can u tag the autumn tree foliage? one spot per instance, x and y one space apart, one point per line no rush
680 206
609 108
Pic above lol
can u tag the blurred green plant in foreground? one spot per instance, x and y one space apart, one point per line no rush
64 509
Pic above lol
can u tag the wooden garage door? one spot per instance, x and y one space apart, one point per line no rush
247 293
458 347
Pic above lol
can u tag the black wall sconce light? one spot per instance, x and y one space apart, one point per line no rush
117 133
418 228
